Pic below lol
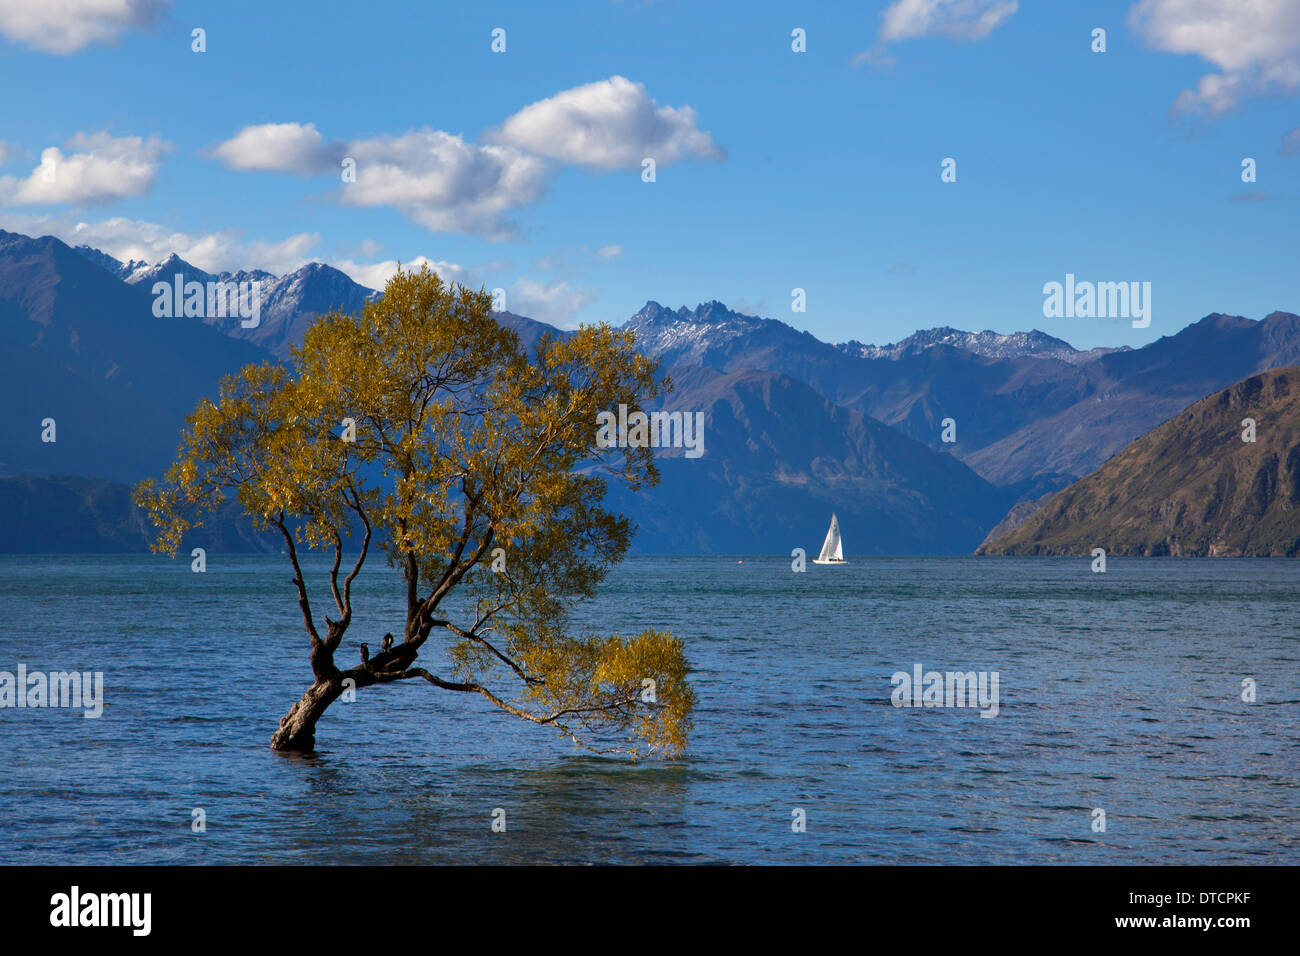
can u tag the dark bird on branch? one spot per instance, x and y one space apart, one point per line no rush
365 653
387 644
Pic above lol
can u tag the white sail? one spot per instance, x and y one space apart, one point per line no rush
832 550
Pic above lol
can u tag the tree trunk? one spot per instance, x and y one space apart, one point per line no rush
297 731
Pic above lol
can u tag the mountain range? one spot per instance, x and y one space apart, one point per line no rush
82 347
289 303
780 458
795 427
1220 479
1026 406
990 344
67 514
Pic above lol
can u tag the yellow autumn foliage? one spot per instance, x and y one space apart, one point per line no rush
464 443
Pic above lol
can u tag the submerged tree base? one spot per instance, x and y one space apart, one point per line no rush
297 732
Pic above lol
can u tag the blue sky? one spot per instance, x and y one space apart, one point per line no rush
818 170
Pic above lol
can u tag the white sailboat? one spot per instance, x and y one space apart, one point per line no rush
832 551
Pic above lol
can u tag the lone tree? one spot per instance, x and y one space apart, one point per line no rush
473 467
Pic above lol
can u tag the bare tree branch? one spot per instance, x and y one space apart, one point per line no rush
361 558
303 602
511 708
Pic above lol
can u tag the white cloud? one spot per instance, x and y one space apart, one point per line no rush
444 183
434 178
98 169
128 239
556 304
279 148
7 152
66 26
279 257
967 20
1291 143
609 124
375 275
955 19
609 252
1254 43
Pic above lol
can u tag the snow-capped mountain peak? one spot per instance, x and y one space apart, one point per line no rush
990 344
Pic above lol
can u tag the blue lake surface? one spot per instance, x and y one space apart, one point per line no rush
1119 691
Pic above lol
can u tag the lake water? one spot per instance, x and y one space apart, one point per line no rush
1119 691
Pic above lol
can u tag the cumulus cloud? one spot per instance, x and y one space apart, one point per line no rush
1255 44
556 303
967 20
375 275
98 168
66 26
447 184
955 19
444 183
280 256
609 124
132 239
280 148
436 179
